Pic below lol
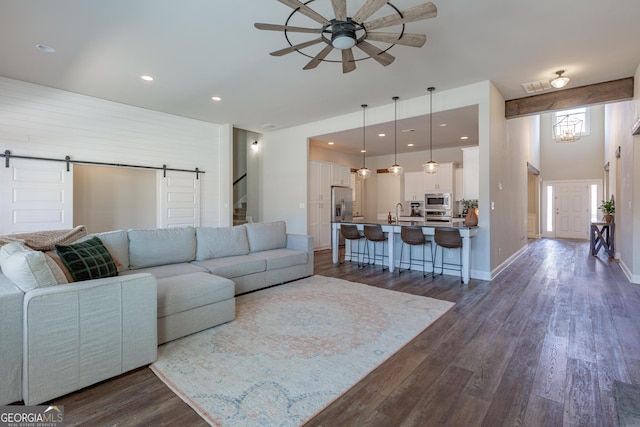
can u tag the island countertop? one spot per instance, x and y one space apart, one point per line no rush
393 231
420 223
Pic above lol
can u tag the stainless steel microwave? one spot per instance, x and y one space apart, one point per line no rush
437 201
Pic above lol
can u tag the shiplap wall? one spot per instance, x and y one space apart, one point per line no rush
45 122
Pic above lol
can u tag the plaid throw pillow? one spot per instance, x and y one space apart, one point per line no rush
87 260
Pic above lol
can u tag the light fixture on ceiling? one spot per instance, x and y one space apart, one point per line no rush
431 166
254 146
395 169
568 128
343 34
363 172
560 81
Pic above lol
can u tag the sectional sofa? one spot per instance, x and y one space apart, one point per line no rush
59 335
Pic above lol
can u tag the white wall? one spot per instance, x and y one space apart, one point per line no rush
45 122
108 198
581 159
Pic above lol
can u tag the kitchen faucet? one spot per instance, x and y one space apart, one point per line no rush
401 210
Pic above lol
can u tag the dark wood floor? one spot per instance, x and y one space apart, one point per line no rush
540 345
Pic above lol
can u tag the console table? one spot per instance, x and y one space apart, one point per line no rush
603 236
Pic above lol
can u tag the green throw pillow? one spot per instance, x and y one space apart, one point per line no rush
87 260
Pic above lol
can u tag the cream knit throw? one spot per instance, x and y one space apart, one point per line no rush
46 240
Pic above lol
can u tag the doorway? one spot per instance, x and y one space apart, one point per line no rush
569 207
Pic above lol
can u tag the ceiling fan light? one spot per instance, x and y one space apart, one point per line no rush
343 40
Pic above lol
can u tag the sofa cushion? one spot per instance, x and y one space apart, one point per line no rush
117 243
234 266
180 293
282 258
266 235
87 260
219 242
29 269
169 270
148 248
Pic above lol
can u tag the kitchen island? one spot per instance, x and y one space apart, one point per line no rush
394 241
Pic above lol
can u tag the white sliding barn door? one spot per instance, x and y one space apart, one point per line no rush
35 195
178 199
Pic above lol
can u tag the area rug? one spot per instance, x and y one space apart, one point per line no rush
291 350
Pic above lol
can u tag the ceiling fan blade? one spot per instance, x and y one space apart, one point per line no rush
274 27
406 39
383 58
306 11
318 58
418 13
368 9
348 64
296 47
340 9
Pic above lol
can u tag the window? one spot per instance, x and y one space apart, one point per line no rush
570 116
549 224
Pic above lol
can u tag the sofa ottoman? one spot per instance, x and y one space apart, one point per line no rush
191 302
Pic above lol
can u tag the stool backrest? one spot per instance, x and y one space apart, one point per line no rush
448 237
412 235
349 231
374 232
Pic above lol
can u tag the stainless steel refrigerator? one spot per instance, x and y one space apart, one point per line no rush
341 209
341 204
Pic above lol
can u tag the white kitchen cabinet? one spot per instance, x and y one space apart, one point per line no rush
414 186
340 175
320 224
442 181
319 181
471 172
459 192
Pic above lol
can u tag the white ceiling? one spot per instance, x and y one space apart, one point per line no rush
199 48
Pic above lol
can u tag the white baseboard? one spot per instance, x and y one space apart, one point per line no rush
633 278
500 268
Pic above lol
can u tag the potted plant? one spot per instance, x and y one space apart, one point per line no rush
608 208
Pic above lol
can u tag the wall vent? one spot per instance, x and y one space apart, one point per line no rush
534 87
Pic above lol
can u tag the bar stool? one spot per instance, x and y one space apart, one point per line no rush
448 237
350 232
413 236
373 233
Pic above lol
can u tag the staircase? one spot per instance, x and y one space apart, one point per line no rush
240 214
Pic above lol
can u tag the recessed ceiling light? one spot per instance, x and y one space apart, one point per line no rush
464 137
330 143
382 134
443 124
409 145
363 151
147 78
216 98
45 48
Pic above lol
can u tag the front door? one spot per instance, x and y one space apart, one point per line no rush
572 210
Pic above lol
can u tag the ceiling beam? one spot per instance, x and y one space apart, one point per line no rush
599 93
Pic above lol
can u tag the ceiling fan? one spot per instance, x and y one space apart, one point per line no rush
344 32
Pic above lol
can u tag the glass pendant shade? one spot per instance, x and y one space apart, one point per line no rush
395 169
431 166
560 81
363 172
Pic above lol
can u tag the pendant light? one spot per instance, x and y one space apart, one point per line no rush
363 172
560 81
395 169
431 166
